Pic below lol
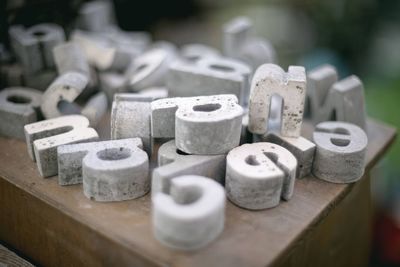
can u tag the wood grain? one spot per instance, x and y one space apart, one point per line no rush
58 226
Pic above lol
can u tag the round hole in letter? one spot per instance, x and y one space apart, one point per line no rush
251 160
221 68
114 154
19 99
340 142
193 58
140 67
207 107
189 196
39 33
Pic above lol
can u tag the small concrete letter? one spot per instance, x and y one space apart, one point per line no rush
43 138
340 153
331 99
259 174
300 147
240 42
209 76
173 163
204 125
63 91
113 170
192 215
18 106
271 79
130 117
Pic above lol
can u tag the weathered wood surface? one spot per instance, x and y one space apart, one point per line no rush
58 226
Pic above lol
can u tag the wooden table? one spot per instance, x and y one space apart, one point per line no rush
323 224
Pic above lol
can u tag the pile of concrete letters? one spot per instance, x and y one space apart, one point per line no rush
220 124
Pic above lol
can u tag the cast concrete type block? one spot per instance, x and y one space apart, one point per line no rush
149 69
95 108
12 75
203 125
70 157
300 147
195 52
331 99
192 215
18 106
173 163
130 117
269 80
240 42
62 93
111 83
209 76
106 53
259 174
116 174
340 152
96 15
43 138
113 170
33 47
154 92
69 57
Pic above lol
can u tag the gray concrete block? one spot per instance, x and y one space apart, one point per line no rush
192 215
149 69
62 93
163 117
209 76
95 16
69 57
95 108
204 125
49 35
130 117
111 83
154 92
240 42
43 138
18 106
33 46
331 99
117 173
70 157
340 152
13 75
300 147
271 80
107 50
173 163
258 175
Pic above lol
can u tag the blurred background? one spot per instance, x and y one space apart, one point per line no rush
360 37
